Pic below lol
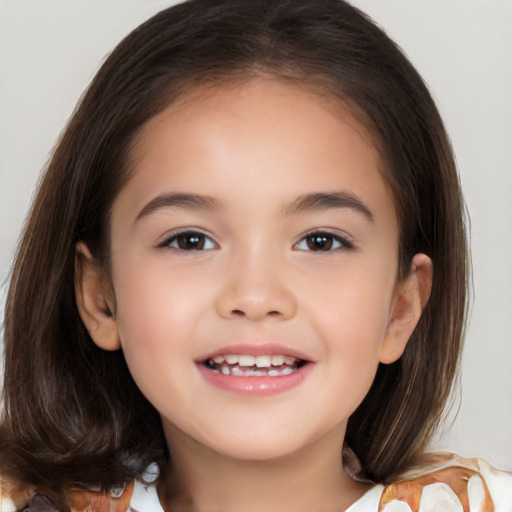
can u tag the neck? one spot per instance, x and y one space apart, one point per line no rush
312 478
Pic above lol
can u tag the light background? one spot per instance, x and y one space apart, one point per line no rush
50 50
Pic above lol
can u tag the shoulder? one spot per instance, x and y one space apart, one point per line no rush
450 483
136 496
13 497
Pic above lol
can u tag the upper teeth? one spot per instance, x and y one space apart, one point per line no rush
265 361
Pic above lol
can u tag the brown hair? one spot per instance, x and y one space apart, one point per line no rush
72 413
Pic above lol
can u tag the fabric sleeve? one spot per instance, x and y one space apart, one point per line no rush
463 485
12 497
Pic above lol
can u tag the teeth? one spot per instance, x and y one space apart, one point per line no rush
277 360
244 365
248 366
263 361
239 371
245 361
231 359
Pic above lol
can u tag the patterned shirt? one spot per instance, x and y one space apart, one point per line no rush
448 483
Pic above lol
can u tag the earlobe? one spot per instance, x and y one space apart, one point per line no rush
411 296
94 300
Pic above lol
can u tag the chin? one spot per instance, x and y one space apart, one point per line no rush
258 446
257 453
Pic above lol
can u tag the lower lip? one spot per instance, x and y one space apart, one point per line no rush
255 385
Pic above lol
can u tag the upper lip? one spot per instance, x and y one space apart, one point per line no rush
257 349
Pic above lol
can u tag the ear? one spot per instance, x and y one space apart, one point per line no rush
94 299
410 297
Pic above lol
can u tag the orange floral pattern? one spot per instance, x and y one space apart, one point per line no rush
443 483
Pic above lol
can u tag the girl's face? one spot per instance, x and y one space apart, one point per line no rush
254 267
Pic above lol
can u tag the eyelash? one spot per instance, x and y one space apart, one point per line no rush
316 237
173 241
312 241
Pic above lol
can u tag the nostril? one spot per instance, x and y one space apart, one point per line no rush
254 305
239 312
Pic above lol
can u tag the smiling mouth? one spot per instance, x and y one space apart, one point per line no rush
240 365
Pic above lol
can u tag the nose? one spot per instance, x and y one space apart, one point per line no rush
257 288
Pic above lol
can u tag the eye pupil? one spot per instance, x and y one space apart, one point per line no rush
319 242
190 241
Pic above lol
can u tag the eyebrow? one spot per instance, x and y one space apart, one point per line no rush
179 200
304 203
328 200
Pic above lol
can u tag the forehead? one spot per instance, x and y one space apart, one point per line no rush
262 134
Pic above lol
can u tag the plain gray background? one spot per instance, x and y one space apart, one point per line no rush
50 50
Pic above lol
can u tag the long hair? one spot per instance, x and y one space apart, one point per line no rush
72 413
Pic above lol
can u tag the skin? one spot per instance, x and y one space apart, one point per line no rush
255 150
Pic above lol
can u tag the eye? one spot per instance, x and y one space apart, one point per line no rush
323 241
189 241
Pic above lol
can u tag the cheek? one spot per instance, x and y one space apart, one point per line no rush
151 296
350 312
353 304
157 314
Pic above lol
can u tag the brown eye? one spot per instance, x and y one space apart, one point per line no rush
189 241
319 242
323 241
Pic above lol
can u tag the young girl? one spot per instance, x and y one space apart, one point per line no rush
242 285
